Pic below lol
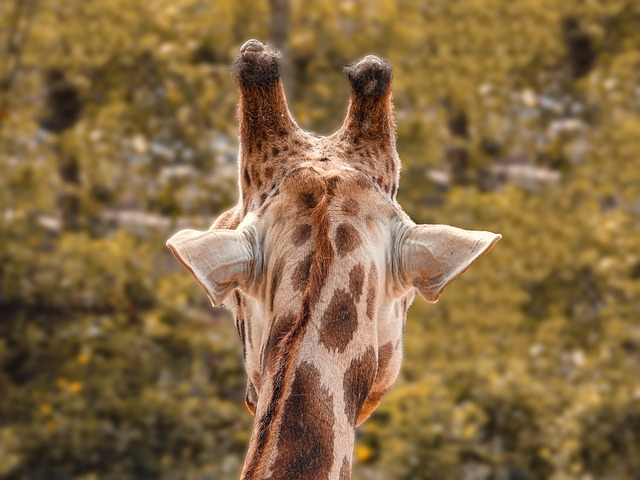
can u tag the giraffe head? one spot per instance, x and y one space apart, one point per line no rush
318 264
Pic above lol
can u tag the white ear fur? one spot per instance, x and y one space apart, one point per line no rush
220 260
433 256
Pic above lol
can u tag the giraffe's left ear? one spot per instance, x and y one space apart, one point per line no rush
433 256
220 260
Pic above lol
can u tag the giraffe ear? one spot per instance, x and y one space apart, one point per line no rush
220 260
433 256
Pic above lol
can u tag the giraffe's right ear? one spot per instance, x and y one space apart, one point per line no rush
433 256
220 260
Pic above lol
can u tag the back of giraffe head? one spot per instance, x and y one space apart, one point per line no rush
317 235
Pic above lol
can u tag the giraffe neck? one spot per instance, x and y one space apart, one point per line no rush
308 436
314 386
307 408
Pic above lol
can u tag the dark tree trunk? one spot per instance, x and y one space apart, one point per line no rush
580 49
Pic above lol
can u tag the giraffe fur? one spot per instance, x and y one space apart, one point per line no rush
318 264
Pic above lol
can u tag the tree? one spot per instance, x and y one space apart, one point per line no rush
117 125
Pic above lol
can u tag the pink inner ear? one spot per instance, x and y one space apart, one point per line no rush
433 256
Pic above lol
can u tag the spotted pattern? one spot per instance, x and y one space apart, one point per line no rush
300 276
385 353
279 329
356 281
301 422
357 382
339 322
302 234
271 146
350 206
308 200
347 239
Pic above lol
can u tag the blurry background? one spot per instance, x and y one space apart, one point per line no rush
117 127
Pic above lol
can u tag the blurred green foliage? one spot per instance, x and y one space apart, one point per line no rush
117 126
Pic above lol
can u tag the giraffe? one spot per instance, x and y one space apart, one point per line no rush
318 264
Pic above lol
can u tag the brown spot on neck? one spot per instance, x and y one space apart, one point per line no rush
308 199
277 332
350 206
312 190
339 322
305 439
356 281
301 273
357 382
302 234
347 239
384 357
